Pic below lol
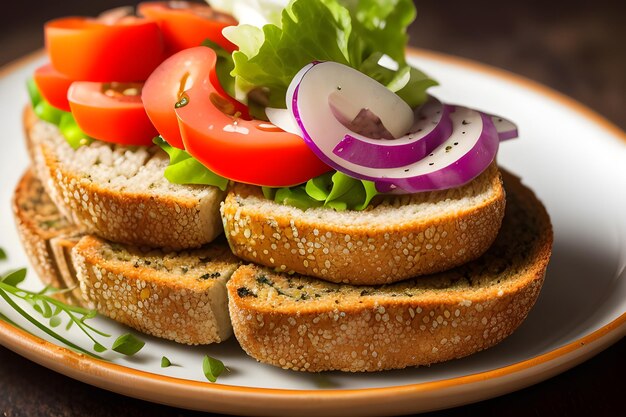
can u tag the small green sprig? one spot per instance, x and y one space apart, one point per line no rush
212 368
52 310
165 362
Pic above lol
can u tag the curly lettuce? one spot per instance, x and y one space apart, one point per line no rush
334 189
355 33
185 169
64 120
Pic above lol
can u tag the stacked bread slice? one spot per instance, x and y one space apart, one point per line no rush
410 281
116 225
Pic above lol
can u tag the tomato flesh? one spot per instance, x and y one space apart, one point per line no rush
89 50
165 86
53 86
185 24
248 151
104 112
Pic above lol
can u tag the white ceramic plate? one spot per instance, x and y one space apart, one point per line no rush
573 159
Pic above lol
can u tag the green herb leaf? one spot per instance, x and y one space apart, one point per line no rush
184 169
165 362
128 344
55 321
89 314
212 368
3 255
37 308
47 310
98 347
18 309
13 278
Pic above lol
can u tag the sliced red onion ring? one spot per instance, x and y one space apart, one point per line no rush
465 153
431 128
453 165
506 128
345 92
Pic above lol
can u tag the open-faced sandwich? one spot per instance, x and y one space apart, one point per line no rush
280 172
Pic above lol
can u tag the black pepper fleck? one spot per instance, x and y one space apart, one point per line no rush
245 292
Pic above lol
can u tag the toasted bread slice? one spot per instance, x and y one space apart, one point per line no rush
306 324
119 192
178 296
400 237
40 225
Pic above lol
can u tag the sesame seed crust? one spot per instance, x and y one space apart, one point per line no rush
120 194
399 238
305 324
39 225
179 296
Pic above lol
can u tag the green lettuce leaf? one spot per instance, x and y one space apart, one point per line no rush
380 26
223 67
309 32
333 189
73 134
184 169
414 91
66 123
354 33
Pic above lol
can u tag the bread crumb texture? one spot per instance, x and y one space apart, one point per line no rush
306 324
119 192
397 238
179 296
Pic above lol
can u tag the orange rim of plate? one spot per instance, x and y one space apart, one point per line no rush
42 351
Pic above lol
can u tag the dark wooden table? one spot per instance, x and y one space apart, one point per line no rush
576 47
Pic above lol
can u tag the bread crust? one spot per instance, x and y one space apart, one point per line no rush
363 254
187 309
38 225
430 319
137 218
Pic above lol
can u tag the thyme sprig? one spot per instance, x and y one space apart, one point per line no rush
51 312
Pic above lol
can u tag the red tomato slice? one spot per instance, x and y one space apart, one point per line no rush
165 86
111 112
53 86
185 25
89 50
249 151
